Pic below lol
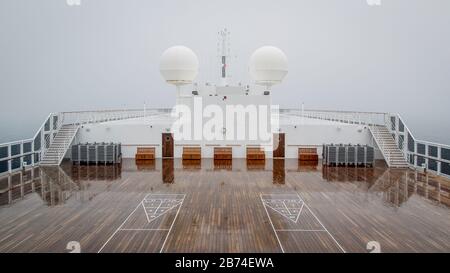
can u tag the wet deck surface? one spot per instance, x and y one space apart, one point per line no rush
171 206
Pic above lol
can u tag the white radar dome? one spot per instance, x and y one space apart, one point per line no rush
268 65
179 65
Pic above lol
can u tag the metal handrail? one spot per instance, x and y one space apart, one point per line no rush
84 117
311 113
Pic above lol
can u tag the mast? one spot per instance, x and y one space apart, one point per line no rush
223 49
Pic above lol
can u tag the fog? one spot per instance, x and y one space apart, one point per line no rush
343 55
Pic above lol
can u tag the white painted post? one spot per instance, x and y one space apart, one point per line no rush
33 187
21 155
9 156
439 162
42 143
415 154
22 190
9 190
303 112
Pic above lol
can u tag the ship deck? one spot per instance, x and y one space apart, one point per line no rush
168 205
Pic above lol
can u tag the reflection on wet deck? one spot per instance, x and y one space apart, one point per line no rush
56 185
223 204
395 186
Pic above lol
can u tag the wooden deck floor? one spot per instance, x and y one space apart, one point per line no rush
175 206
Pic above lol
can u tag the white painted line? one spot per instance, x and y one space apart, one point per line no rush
120 226
145 211
301 209
26 239
342 249
271 196
144 229
312 230
170 194
6 237
173 222
274 231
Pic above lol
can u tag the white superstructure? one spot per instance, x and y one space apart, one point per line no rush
223 115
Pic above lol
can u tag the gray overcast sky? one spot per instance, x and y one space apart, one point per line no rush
343 54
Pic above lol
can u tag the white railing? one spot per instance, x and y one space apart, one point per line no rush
28 152
433 156
350 117
84 117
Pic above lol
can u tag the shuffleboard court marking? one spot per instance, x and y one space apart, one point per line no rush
276 201
147 198
332 237
270 219
291 213
171 226
156 207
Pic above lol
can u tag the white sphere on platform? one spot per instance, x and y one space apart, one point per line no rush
179 65
268 65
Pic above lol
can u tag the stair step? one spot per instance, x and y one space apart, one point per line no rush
389 147
59 145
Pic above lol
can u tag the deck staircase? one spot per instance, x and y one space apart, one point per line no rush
392 154
58 147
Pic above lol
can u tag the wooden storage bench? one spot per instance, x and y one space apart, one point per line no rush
223 153
145 153
255 153
308 154
194 153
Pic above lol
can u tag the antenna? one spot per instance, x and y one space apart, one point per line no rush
223 50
